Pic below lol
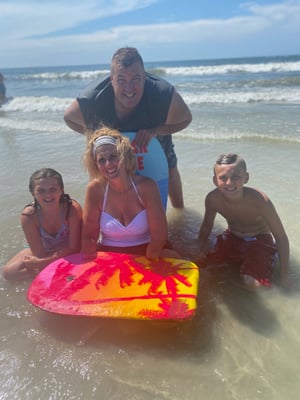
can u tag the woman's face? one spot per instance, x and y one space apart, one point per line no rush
108 161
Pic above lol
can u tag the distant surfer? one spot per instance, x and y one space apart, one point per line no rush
2 90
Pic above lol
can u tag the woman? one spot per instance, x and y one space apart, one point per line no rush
51 224
122 210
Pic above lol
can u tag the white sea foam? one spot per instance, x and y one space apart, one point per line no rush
85 75
37 104
275 95
34 125
233 68
43 104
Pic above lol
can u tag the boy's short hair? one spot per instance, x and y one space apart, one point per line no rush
231 158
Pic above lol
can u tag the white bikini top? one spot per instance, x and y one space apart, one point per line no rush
114 233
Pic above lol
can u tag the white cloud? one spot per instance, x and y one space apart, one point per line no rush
26 26
26 18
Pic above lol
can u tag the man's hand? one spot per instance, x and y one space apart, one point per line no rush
143 138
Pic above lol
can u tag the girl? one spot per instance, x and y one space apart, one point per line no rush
51 224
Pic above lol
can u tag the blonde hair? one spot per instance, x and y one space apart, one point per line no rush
124 150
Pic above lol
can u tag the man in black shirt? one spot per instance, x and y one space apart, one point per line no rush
134 100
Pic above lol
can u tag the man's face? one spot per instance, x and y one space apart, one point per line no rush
128 84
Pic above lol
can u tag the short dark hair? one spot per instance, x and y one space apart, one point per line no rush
126 56
231 158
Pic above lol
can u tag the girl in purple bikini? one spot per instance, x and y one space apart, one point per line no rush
51 224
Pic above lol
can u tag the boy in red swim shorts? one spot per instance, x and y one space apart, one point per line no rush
255 232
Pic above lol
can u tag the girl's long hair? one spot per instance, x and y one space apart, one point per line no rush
43 173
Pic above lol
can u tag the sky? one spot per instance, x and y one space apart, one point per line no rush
79 32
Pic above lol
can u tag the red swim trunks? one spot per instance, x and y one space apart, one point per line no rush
254 255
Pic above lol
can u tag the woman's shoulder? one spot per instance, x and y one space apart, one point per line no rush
96 185
144 182
147 188
95 192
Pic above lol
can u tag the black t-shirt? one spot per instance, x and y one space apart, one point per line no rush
97 105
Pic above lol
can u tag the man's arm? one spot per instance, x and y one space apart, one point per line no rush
74 119
178 118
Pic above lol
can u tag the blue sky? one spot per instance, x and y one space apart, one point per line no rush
75 32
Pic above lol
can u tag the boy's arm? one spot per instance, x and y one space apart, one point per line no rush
207 224
282 242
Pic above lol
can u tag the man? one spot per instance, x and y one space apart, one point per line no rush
134 100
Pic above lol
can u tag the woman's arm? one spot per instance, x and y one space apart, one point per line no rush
91 218
75 224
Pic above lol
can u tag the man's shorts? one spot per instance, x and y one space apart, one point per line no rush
167 144
254 255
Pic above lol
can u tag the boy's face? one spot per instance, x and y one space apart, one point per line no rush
230 179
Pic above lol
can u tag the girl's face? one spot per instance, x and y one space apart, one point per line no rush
47 192
107 160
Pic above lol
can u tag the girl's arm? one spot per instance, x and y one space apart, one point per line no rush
30 226
40 257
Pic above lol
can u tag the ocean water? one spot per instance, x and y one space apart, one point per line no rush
240 344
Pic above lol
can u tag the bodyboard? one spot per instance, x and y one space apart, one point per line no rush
117 285
152 162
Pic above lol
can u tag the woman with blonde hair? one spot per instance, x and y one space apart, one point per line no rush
123 211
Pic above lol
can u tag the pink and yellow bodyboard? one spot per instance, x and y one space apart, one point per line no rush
117 285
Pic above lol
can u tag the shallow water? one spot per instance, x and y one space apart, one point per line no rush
240 345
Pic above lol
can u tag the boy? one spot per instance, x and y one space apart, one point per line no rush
252 224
